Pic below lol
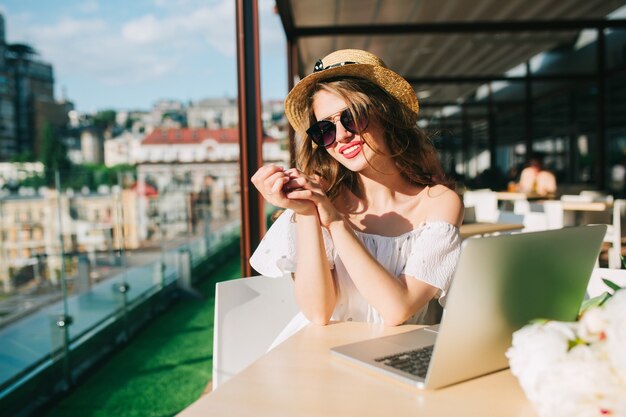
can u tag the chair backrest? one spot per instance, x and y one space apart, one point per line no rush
521 206
535 222
554 212
597 196
619 211
614 233
596 286
485 204
577 198
249 315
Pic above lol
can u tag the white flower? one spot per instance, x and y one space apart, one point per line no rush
592 325
535 348
615 311
575 369
581 384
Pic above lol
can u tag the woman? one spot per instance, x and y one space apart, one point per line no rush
370 232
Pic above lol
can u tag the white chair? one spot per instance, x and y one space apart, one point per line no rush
249 315
485 203
577 198
596 286
597 196
614 234
613 219
570 217
555 214
521 206
535 222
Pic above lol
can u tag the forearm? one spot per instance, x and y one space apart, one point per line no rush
314 284
390 296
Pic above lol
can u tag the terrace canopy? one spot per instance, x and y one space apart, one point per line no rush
448 50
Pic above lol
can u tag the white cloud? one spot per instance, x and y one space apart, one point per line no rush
68 29
140 49
144 30
271 28
159 45
214 25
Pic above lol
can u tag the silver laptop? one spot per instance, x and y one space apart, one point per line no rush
500 284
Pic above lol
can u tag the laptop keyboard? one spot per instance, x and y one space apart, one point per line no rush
414 362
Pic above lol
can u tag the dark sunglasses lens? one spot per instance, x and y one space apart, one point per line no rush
328 132
322 133
354 126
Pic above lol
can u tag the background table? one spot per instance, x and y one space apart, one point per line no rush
474 229
300 377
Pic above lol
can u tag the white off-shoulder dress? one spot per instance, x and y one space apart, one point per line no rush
428 253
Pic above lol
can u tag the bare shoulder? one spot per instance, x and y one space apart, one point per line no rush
443 204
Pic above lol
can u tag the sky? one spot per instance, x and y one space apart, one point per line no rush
125 55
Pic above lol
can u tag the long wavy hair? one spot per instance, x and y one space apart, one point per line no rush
409 147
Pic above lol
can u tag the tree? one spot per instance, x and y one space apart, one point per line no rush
53 154
26 156
104 119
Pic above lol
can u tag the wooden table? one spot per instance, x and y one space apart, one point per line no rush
474 229
300 377
514 196
585 206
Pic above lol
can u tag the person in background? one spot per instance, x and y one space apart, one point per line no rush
534 179
370 231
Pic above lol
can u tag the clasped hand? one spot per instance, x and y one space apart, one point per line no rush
291 189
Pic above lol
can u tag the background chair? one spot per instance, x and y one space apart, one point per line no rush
485 203
614 234
597 196
249 315
555 214
577 198
613 219
596 286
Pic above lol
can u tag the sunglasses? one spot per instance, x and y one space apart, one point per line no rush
324 132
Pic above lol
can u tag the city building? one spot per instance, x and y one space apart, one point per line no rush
12 173
213 113
30 230
26 98
92 145
122 149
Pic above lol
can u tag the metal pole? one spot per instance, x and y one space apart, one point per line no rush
292 56
65 320
528 104
465 141
491 130
123 288
250 129
600 148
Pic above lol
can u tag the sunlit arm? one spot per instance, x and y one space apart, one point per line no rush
314 285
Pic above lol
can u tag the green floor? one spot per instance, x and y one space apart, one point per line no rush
162 370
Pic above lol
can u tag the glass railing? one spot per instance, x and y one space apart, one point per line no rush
80 264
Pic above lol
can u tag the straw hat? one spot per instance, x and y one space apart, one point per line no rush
347 63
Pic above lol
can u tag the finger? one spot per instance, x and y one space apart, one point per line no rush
269 182
304 195
264 172
295 183
294 173
278 185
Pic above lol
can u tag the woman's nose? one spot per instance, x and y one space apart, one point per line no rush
342 134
